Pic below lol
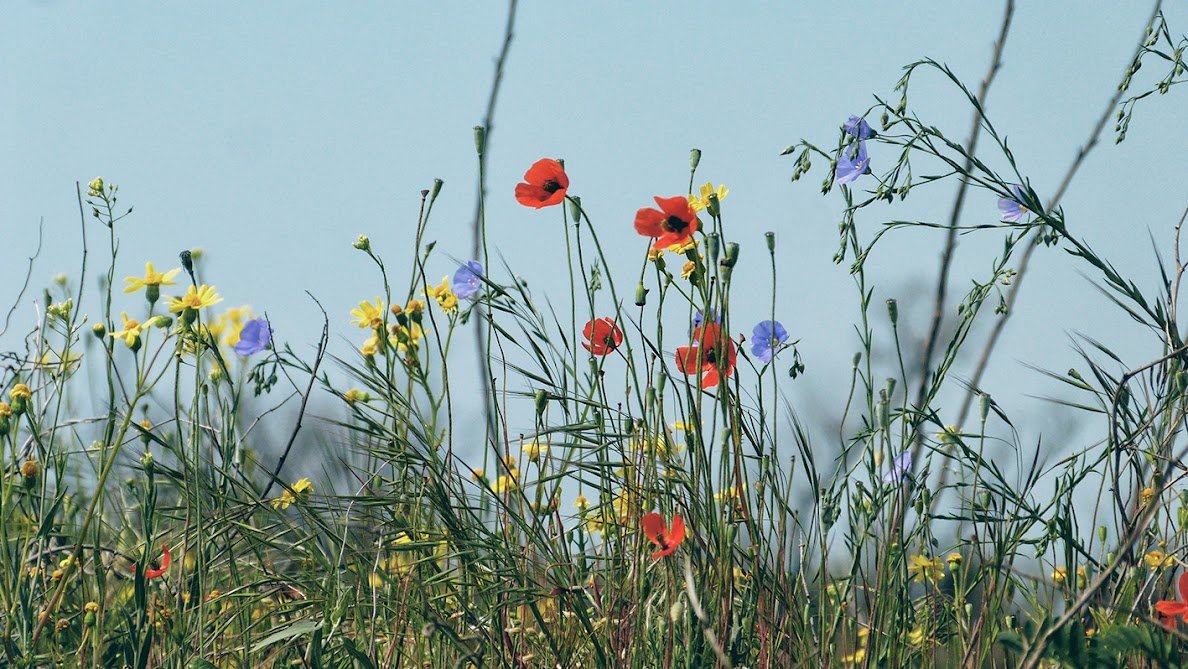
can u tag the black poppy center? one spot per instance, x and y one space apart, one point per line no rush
674 224
551 186
711 357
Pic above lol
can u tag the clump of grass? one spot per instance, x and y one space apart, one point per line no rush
645 493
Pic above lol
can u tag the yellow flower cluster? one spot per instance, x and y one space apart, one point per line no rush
298 490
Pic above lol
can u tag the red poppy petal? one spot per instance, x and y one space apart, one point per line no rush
1171 609
588 331
677 534
711 377
653 526
647 223
688 359
1183 583
676 206
530 195
547 169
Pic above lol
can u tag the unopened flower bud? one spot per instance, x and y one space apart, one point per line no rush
641 295
770 238
363 244
694 159
480 139
893 311
575 208
713 244
99 330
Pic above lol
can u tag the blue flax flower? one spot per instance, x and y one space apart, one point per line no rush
1012 209
466 280
852 163
858 128
255 337
698 319
901 468
766 339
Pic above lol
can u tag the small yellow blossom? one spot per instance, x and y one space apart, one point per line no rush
91 607
195 298
655 254
507 482
688 269
478 475
684 247
371 346
299 489
931 569
414 307
131 332
948 435
1060 574
702 199
1147 494
1159 560
151 278
534 450
30 470
20 391
916 636
95 187
444 296
581 503
954 560
5 410
368 315
355 395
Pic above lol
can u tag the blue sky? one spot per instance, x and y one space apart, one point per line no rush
272 135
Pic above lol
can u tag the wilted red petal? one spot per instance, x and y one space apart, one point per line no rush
677 534
154 573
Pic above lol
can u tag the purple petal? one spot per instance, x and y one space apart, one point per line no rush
466 280
254 337
852 163
858 128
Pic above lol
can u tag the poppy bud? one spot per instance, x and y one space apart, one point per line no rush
984 405
575 208
770 238
694 159
542 401
650 399
856 359
890 390
480 138
437 184
893 311
713 244
641 295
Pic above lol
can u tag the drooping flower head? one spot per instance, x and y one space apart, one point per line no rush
901 468
544 184
466 280
858 128
254 337
712 355
157 572
659 533
673 224
1168 610
766 339
1012 209
602 336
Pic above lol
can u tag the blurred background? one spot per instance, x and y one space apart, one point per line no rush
270 136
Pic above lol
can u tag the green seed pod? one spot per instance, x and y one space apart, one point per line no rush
694 159
769 237
893 311
480 139
641 295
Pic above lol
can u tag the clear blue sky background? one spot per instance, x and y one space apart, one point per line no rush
271 135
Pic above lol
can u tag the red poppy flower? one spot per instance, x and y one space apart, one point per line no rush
154 573
1169 610
673 223
546 184
659 533
712 354
603 336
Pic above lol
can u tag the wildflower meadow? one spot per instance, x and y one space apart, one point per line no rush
613 469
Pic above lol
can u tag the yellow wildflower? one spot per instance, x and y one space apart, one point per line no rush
1147 494
926 568
1060 574
688 269
533 450
368 316
195 298
581 503
507 482
415 307
1159 560
954 559
131 332
151 278
444 296
702 199
20 391
91 607
298 490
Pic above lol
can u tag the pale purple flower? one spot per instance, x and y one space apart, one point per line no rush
858 128
1012 210
766 339
901 468
466 280
852 163
254 337
698 319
